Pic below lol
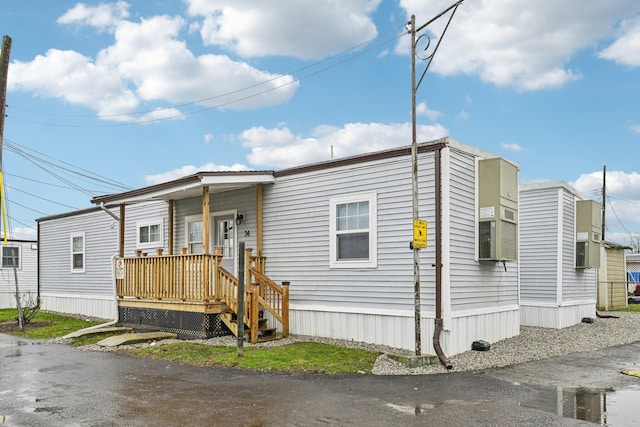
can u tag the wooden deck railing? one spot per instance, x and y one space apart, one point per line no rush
272 297
201 278
172 277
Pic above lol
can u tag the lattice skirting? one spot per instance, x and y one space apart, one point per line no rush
187 325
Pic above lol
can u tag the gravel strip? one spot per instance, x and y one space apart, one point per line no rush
532 344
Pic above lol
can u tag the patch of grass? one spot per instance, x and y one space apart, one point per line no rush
43 326
633 308
297 357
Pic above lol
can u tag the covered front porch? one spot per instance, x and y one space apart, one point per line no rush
190 282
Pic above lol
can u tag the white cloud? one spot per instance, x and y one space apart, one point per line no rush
208 138
147 63
103 16
305 29
76 79
24 233
423 110
190 170
463 115
626 49
635 128
519 43
279 147
511 147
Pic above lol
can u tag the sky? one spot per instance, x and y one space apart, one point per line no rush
108 96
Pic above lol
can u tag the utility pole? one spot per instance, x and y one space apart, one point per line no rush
604 197
414 192
4 71
414 169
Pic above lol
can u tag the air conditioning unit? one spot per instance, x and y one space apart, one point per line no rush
498 210
588 229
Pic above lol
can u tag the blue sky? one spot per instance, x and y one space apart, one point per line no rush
104 96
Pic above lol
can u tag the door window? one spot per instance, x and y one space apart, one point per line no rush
224 235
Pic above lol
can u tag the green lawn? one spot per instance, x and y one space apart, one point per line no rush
297 357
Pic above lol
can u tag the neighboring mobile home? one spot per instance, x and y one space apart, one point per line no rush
559 255
77 252
23 254
612 277
329 249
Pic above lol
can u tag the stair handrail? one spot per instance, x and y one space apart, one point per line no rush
268 294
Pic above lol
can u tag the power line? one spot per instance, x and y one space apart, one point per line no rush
38 181
41 198
91 176
233 101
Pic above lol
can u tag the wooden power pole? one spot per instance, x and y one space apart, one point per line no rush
4 71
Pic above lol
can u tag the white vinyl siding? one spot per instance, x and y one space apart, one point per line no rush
100 235
297 236
27 274
303 200
553 292
145 214
474 286
539 248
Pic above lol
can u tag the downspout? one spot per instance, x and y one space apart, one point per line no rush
438 320
113 281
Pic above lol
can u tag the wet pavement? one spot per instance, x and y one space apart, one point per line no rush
56 385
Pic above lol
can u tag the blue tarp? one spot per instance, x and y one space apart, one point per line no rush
633 276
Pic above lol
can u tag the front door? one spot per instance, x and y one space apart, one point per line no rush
224 236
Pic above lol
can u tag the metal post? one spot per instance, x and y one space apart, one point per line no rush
240 317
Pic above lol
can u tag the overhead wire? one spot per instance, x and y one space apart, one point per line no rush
87 176
41 198
233 92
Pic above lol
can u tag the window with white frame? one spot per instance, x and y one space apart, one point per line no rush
353 231
149 234
77 253
194 234
10 256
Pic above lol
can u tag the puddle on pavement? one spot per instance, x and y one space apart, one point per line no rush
600 406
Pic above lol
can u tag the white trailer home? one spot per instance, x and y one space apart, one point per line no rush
23 255
76 257
559 255
328 249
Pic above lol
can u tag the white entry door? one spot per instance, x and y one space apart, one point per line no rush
224 236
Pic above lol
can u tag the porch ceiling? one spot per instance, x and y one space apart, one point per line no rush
189 186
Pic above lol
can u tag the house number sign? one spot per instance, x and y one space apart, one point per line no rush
120 269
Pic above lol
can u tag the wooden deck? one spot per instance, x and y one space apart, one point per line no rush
198 283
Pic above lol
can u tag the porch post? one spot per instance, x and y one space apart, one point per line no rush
206 226
259 219
121 232
170 243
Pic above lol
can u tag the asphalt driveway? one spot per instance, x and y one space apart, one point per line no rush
56 385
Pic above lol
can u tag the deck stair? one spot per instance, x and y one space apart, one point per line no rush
265 333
